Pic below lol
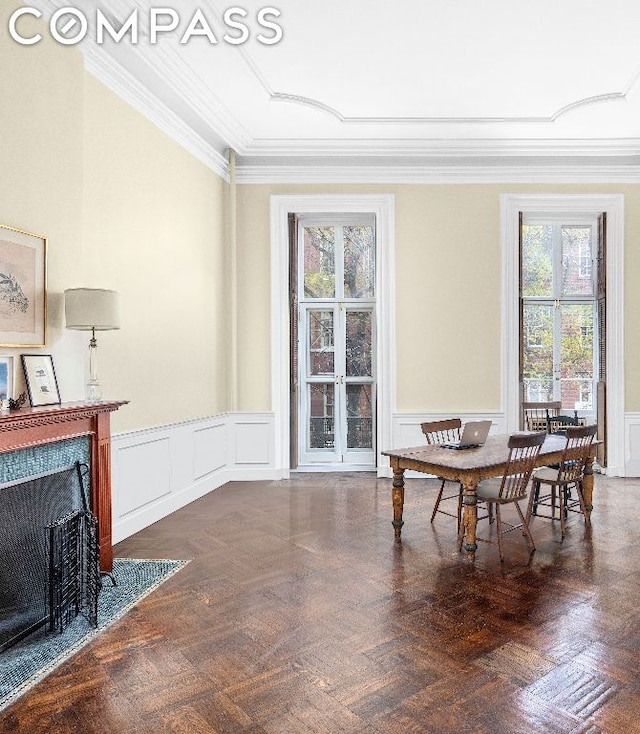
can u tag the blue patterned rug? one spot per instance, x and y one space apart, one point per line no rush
28 662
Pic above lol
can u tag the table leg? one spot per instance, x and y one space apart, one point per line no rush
397 497
470 516
587 490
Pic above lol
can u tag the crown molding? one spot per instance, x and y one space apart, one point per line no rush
446 174
445 148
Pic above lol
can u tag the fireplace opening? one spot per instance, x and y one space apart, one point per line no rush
50 556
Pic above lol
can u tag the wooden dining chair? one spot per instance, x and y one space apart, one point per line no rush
538 416
564 478
511 488
445 431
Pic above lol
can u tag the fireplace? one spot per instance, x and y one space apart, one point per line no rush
49 550
38 429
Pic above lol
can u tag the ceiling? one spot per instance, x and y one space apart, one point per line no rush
372 89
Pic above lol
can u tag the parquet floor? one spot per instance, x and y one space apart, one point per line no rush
300 614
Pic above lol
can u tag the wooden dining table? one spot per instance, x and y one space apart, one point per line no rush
469 467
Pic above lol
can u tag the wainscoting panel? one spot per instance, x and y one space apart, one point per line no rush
155 472
632 448
209 449
147 468
253 441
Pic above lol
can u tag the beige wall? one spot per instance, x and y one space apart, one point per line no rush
123 207
447 245
153 230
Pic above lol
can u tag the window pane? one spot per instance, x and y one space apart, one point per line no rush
576 261
321 346
537 260
321 416
358 344
576 356
537 367
359 417
319 262
359 261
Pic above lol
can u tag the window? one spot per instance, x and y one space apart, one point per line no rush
558 359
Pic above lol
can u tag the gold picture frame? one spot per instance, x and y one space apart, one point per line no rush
23 288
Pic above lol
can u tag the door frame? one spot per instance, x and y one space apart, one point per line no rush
382 207
510 207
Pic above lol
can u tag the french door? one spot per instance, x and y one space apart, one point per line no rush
559 326
336 343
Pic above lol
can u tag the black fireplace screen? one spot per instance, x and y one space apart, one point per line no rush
49 568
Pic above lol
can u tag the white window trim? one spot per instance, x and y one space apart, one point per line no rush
382 206
613 205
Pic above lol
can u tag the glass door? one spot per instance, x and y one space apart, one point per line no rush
337 396
559 355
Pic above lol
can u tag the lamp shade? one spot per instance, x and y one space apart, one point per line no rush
91 308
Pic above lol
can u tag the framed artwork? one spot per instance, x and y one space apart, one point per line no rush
40 377
6 378
23 288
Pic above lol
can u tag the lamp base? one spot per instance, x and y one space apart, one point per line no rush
93 392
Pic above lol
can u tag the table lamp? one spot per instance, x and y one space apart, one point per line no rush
92 309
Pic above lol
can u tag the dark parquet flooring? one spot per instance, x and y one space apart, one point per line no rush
301 614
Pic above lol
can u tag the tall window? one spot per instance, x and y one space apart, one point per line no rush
336 340
559 315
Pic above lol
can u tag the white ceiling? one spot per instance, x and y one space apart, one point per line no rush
372 85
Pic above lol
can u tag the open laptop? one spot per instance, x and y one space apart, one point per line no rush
474 434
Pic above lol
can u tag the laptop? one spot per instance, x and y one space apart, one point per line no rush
474 434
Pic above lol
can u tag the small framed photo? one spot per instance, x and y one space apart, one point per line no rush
23 288
6 378
40 377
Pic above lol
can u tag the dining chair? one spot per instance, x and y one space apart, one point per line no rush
511 487
564 478
445 431
538 416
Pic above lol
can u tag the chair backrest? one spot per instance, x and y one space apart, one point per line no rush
445 431
523 452
576 452
536 416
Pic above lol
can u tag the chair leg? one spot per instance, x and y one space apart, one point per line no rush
438 498
499 530
533 500
533 496
563 515
460 493
525 528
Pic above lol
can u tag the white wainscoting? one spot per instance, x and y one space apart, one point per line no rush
157 471
632 444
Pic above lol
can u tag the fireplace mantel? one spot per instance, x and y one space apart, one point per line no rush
29 427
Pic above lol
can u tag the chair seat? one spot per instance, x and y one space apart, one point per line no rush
547 474
489 491
551 475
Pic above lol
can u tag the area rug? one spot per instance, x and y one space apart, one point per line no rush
28 662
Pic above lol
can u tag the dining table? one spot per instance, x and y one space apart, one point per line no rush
469 466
